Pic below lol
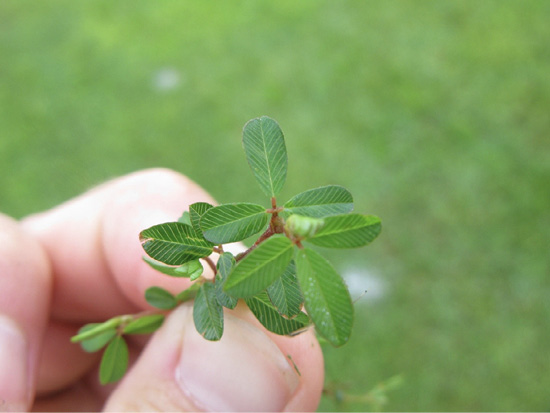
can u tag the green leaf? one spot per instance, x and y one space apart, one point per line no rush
185 218
321 202
99 340
260 268
174 243
326 296
265 149
196 211
191 269
285 293
189 293
225 265
233 222
270 318
144 325
95 329
160 298
208 313
347 231
114 362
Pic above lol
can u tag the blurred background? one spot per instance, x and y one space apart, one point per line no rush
434 114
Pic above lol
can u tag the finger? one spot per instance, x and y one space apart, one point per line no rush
25 286
93 243
247 370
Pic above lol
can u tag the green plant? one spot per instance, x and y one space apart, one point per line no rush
276 277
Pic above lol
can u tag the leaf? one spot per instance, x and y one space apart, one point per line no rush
99 340
174 243
191 269
321 202
196 211
185 218
208 313
144 325
260 268
189 293
160 298
233 222
265 149
270 318
114 362
225 265
326 296
347 231
94 329
285 293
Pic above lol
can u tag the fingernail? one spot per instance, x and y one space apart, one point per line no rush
13 367
244 371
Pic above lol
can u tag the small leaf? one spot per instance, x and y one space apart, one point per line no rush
233 222
191 269
99 340
185 218
94 329
303 227
347 231
285 293
260 268
160 298
208 313
225 265
265 149
321 202
270 318
114 362
144 325
189 293
196 211
326 296
174 243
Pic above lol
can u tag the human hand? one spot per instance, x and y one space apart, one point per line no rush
80 263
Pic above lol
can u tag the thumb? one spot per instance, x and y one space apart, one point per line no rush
249 369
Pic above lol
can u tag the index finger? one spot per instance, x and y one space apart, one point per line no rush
93 243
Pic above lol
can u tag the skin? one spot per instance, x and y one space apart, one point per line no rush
81 262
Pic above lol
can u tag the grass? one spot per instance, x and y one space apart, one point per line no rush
434 114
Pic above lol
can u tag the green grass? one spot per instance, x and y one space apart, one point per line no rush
433 114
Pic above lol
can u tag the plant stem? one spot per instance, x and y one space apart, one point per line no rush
210 264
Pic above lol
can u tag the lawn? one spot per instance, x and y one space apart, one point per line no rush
434 114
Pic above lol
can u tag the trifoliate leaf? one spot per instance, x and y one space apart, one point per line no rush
326 296
265 149
191 269
347 231
160 298
144 325
225 265
321 202
208 313
99 340
285 293
270 318
174 243
233 222
260 268
196 211
114 362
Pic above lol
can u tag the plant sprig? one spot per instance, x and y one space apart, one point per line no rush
278 277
